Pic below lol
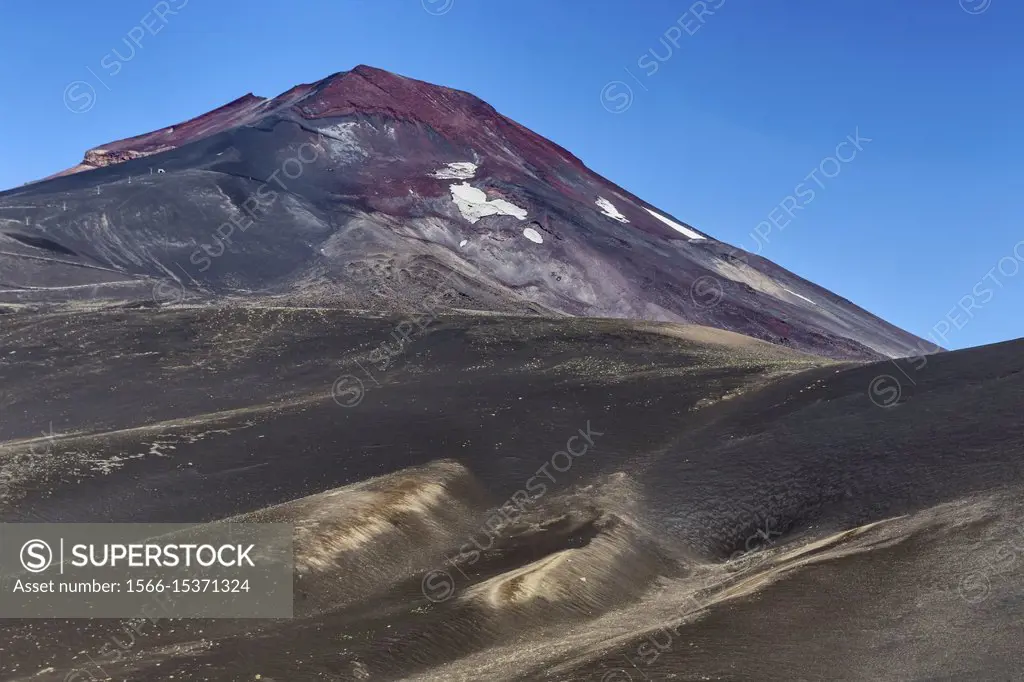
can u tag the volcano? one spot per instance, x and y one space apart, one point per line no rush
520 424
366 189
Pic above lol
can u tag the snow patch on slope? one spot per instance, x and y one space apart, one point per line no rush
460 170
676 226
799 296
474 205
342 142
608 209
533 235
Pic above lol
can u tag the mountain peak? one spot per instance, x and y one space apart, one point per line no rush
369 90
365 91
418 180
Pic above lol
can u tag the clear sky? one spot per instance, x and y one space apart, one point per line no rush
716 118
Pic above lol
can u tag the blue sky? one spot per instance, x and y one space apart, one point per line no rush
744 104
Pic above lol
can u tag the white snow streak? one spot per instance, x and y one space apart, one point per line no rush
799 296
676 226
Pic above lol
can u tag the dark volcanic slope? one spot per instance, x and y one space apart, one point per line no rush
365 189
742 511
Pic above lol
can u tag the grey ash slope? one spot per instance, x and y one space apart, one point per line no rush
706 440
368 223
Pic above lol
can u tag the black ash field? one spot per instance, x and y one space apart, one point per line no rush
738 510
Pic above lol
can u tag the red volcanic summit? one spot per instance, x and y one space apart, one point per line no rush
364 90
400 184
223 118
